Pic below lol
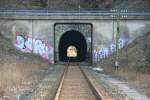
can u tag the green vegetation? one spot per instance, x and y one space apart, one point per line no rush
38 4
89 5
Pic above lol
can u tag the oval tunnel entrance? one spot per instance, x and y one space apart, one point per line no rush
76 39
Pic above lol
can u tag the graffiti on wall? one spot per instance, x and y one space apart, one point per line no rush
37 46
107 51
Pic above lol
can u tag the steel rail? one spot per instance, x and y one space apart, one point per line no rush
60 84
91 86
98 95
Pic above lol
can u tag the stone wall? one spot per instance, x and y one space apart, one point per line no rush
84 28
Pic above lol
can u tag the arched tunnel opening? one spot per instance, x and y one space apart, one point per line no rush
76 39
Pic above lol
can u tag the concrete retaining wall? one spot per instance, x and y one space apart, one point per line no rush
37 35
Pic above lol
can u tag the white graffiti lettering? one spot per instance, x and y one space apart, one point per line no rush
104 52
20 42
29 44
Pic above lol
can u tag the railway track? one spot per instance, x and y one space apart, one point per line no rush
74 85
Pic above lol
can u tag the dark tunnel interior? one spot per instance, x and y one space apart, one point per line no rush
72 38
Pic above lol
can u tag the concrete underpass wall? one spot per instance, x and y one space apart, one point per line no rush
37 36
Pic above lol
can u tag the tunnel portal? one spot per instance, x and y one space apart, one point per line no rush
76 39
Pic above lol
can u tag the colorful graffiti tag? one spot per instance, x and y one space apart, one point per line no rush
104 52
37 46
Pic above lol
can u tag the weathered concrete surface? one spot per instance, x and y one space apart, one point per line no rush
37 35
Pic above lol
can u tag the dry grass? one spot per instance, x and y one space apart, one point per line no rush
134 64
15 74
17 69
139 79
